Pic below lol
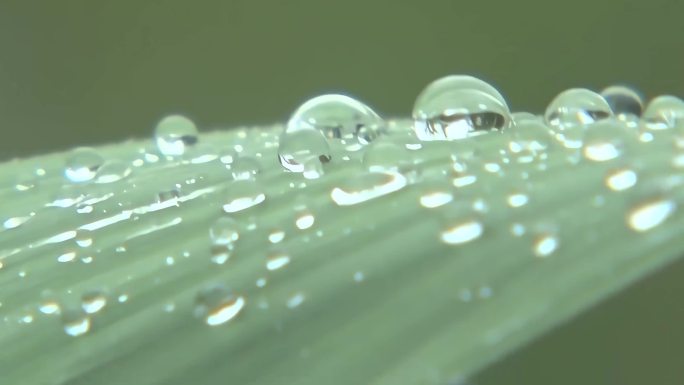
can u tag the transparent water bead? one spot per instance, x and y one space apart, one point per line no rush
224 231
174 134
650 215
298 148
530 137
93 301
112 171
76 322
243 194
245 167
386 156
216 304
82 165
663 112
366 186
576 106
338 117
624 101
604 141
456 107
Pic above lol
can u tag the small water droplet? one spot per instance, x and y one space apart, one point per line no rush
174 134
76 322
14 222
576 106
621 179
82 165
84 238
276 236
366 186
455 107
244 168
435 199
359 276
517 200
302 147
277 260
304 220
50 307
649 215
663 112
112 171
224 231
93 301
216 304
462 232
338 117
604 141
243 194
384 156
545 245
295 300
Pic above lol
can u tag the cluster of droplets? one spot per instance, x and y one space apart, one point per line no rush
496 161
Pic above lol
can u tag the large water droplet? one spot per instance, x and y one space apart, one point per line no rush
624 101
82 165
455 107
338 117
300 146
217 305
174 134
576 106
663 112
277 260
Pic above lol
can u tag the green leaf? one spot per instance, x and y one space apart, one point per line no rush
384 291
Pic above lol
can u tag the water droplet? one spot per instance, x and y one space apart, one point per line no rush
366 186
455 107
338 117
50 307
84 238
384 156
243 194
359 276
69 256
545 245
14 222
663 112
530 137
174 134
82 165
517 200
576 107
621 179
224 231
217 305
277 260
524 117
650 214
276 236
300 146
304 220
245 168
296 300
112 171
604 141
76 322
624 101
93 301
462 232
435 199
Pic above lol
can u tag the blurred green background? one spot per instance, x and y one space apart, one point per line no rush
79 72
87 72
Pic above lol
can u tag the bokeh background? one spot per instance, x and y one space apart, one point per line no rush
82 72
